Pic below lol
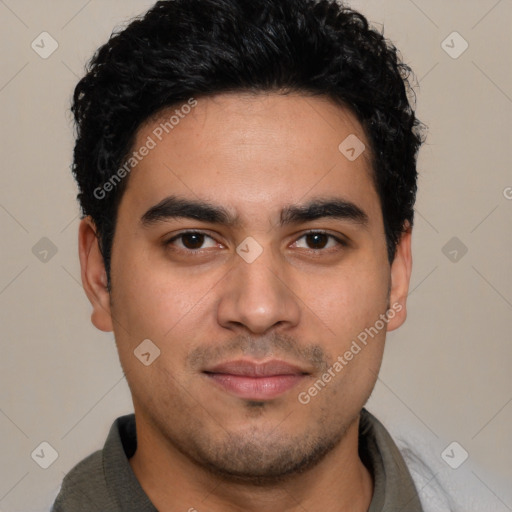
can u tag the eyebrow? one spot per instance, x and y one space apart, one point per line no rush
174 207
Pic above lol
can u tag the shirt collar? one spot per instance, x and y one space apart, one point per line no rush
394 488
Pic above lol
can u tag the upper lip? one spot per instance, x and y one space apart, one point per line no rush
247 368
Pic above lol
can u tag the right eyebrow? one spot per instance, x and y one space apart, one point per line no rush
173 207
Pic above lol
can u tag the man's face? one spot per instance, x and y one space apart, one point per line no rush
250 309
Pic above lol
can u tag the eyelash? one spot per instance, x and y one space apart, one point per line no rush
198 252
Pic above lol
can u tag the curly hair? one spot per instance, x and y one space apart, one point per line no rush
190 48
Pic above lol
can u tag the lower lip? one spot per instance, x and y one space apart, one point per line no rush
256 388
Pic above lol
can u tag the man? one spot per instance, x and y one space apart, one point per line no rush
247 175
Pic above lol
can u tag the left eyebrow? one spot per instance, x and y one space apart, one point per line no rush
324 208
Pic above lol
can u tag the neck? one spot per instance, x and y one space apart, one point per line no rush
338 483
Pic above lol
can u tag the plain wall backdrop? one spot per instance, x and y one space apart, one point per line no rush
446 373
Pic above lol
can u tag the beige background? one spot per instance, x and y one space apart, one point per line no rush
446 374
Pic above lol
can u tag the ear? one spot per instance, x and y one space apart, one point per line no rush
94 276
400 279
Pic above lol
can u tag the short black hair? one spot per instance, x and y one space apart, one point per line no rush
183 49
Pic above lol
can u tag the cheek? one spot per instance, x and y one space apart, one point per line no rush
350 299
152 299
152 303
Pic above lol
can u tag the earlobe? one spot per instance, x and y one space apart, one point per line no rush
400 278
94 276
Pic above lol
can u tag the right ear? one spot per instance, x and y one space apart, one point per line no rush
94 275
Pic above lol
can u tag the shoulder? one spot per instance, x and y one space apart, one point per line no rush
84 488
441 486
93 484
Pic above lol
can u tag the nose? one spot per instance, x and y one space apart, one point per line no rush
258 296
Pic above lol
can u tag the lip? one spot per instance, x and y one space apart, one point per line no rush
256 381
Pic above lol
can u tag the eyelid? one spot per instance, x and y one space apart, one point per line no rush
190 232
339 238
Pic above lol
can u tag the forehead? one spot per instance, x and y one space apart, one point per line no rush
253 153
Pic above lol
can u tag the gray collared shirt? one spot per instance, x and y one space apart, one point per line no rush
105 482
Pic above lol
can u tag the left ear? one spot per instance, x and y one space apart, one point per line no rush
400 277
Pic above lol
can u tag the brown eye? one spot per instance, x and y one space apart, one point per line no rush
318 240
191 241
